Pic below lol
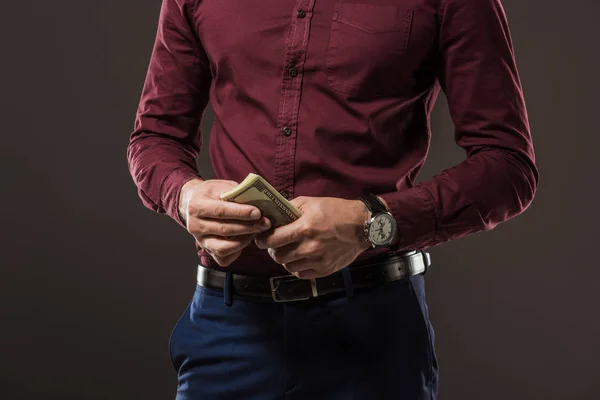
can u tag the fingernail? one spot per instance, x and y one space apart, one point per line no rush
265 224
255 214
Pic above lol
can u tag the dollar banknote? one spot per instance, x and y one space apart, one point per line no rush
256 191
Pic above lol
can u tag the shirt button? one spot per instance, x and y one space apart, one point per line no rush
293 72
285 194
301 13
287 131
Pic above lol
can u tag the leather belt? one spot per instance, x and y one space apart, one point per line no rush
377 270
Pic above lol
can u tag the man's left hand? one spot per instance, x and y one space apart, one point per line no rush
326 238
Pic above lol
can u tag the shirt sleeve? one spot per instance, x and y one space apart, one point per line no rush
498 178
164 146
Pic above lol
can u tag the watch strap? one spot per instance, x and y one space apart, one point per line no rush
373 204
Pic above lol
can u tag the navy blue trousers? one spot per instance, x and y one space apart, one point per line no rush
376 344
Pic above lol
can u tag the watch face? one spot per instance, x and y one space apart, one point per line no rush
382 229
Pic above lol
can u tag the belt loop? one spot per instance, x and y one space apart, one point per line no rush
348 282
227 289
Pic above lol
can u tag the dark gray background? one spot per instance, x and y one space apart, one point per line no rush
92 282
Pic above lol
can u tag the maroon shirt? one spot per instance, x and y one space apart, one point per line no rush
333 98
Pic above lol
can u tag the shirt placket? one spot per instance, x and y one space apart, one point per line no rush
296 44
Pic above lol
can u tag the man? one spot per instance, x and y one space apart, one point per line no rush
329 101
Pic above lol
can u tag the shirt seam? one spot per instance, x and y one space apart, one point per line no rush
442 12
198 46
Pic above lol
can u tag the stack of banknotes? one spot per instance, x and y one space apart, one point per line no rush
256 191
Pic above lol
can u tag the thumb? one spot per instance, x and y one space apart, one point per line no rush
300 201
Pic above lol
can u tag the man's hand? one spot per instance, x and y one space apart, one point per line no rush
326 238
220 227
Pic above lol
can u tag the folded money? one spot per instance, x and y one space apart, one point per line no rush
256 191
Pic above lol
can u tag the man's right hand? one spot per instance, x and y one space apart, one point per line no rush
220 227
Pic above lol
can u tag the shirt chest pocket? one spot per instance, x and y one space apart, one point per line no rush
366 47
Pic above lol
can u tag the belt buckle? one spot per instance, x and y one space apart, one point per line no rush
275 281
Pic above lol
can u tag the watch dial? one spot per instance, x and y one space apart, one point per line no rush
381 229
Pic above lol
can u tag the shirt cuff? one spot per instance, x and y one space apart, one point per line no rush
171 191
415 216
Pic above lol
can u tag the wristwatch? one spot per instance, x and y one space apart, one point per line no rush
380 228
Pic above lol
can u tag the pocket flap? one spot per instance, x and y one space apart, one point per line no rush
374 18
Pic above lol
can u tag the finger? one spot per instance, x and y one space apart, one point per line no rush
302 265
284 235
299 201
309 274
225 228
219 209
305 269
220 247
285 254
311 249
227 261
232 183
